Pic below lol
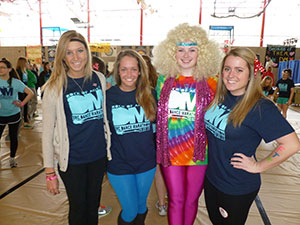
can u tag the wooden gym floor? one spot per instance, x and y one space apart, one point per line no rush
25 201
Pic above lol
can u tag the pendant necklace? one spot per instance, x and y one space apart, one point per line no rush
81 88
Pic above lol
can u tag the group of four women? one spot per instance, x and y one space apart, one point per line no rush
206 131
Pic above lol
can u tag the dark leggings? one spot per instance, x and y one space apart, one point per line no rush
83 186
13 126
22 96
224 209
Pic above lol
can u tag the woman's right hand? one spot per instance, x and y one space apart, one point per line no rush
52 181
53 186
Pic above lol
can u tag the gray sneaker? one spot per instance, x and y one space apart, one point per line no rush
12 163
162 209
104 210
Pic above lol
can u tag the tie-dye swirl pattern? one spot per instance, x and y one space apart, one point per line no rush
181 122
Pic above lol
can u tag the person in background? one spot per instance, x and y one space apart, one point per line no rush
75 128
236 121
21 70
31 83
35 70
285 89
10 105
41 69
269 63
98 64
185 60
267 87
160 186
45 74
268 73
131 109
110 80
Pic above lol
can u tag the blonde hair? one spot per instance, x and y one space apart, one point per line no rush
253 90
21 64
263 82
58 77
209 53
143 95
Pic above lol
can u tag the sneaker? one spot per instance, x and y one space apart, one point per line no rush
162 209
104 210
28 126
12 163
7 138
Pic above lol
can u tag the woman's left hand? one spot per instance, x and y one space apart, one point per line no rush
241 161
17 103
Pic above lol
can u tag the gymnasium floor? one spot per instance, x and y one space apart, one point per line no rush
25 201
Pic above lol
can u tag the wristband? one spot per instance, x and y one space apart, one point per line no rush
50 173
22 104
50 178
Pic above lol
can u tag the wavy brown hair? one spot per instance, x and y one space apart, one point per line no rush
153 76
144 96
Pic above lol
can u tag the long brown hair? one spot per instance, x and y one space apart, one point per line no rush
153 76
253 90
21 64
143 95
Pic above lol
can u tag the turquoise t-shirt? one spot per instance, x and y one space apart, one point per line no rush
111 80
9 94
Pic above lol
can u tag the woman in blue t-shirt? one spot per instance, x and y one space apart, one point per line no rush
131 109
236 121
10 105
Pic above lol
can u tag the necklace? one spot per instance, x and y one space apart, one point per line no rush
81 88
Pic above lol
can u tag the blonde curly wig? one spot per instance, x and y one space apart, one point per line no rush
209 53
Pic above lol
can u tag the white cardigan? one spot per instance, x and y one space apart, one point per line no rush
55 138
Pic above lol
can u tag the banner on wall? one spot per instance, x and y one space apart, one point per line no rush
34 54
103 47
281 53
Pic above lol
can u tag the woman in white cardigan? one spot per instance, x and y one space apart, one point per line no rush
75 128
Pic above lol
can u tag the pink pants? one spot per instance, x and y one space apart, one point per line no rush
184 184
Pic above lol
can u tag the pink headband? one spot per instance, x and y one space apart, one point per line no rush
258 66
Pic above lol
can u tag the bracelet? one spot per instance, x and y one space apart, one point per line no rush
50 178
50 173
22 104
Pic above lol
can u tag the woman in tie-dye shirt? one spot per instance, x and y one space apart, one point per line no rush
187 61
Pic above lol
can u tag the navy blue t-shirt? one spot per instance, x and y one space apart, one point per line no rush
132 141
84 115
264 121
285 87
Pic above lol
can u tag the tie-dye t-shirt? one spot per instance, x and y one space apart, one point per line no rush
181 119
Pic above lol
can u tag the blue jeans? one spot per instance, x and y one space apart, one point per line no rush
132 191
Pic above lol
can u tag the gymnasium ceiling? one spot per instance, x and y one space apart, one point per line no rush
119 21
